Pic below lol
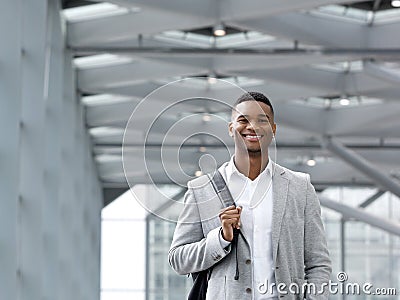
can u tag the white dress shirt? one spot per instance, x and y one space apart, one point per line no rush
255 198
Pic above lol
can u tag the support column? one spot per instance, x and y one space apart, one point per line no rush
343 248
10 113
53 170
32 149
66 216
51 196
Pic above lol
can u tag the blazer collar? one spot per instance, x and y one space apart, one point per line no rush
280 184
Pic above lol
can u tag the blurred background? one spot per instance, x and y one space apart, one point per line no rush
74 225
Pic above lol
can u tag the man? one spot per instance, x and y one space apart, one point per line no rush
282 243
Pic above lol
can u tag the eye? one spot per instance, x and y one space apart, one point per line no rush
242 120
263 120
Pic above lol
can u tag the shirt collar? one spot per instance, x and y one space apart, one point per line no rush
232 170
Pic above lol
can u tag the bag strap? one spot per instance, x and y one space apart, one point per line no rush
221 189
225 195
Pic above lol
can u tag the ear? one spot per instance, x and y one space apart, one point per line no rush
230 129
274 128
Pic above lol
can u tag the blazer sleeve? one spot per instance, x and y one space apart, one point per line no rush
190 250
316 256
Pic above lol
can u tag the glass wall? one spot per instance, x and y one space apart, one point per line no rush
371 255
163 282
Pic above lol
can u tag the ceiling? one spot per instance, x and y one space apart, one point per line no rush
306 57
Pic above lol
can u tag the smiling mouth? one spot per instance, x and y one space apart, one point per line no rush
252 137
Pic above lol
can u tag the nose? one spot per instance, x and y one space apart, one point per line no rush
252 126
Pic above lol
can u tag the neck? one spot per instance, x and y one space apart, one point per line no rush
251 164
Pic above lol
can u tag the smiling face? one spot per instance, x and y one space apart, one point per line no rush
252 127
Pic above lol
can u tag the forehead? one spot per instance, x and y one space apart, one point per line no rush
252 108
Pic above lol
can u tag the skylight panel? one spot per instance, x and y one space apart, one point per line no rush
101 60
343 13
338 101
204 82
387 16
94 11
244 39
339 67
105 131
103 99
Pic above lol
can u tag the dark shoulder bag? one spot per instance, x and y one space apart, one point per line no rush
200 279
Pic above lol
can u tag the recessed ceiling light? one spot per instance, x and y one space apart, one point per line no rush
311 162
212 80
344 101
396 3
206 118
219 30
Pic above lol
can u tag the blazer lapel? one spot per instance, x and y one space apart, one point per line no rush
280 186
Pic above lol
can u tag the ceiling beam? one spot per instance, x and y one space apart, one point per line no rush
371 199
384 73
131 73
361 164
334 82
196 9
331 33
128 26
360 215
237 10
314 146
190 51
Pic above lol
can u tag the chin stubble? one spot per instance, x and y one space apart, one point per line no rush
254 151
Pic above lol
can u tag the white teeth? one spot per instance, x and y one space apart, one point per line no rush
253 136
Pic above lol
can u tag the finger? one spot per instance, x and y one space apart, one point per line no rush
228 223
228 217
230 220
228 209
230 212
238 223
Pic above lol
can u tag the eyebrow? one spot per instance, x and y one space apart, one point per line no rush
246 116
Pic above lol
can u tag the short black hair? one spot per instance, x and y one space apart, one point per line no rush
254 96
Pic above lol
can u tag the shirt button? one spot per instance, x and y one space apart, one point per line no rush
248 261
248 290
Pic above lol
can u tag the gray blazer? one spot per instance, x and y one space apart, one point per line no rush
299 247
